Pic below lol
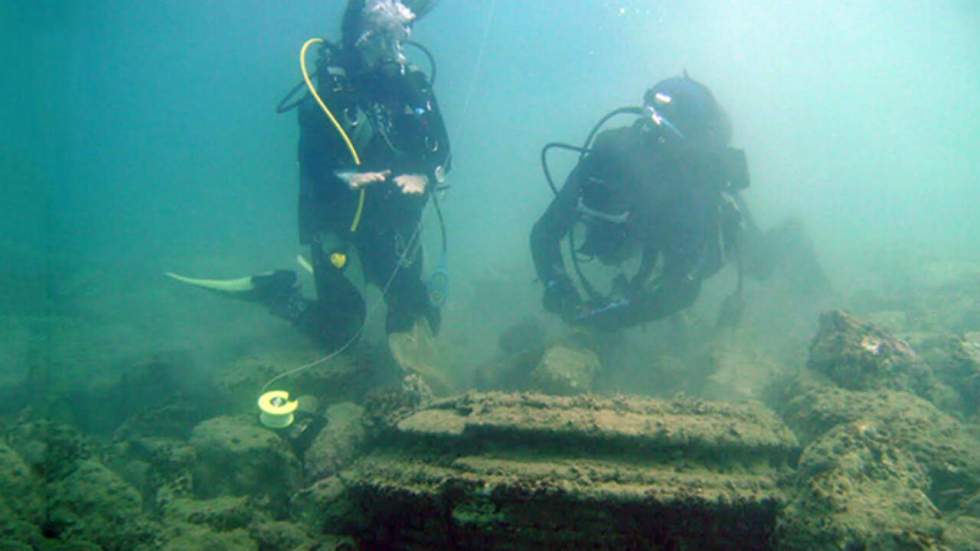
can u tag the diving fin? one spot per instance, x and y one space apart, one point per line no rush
304 263
416 353
239 285
271 288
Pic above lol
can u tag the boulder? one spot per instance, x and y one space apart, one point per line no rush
566 370
237 457
94 504
857 355
221 514
326 506
882 470
185 536
278 534
22 491
859 489
338 443
161 468
936 440
956 361
52 450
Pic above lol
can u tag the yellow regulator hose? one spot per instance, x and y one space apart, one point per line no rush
340 129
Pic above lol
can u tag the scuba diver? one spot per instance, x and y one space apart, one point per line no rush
665 190
373 148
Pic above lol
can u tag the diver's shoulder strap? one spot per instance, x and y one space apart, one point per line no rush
418 78
335 88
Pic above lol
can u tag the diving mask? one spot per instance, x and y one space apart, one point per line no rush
655 113
386 25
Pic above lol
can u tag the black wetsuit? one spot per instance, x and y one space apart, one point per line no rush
674 212
391 115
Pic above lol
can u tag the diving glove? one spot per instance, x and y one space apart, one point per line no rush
561 297
604 316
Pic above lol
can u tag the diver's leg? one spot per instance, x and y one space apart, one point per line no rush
339 311
393 262
411 319
332 320
408 301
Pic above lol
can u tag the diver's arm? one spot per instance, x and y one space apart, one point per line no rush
676 290
671 296
554 225
319 157
647 263
562 213
680 284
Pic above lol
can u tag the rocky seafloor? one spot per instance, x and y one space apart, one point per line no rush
874 443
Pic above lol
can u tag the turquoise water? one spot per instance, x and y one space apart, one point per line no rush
140 137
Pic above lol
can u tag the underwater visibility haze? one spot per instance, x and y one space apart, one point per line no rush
841 411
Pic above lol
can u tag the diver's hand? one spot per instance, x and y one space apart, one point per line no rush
411 183
561 297
604 316
357 180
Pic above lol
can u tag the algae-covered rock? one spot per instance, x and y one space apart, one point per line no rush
199 537
883 470
220 513
530 471
963 534
51 449
95 504
937 441
21 490
18 534
566 370
384 407
337 444
326 506
172 420
237 457
857 355
161 468
956 360
82 545
10 544
860 490
64 496
283 535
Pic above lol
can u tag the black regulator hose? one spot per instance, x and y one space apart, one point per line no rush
544 160
629 110
585 148
429 56
285 107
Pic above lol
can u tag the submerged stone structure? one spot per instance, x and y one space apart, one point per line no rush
529 471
